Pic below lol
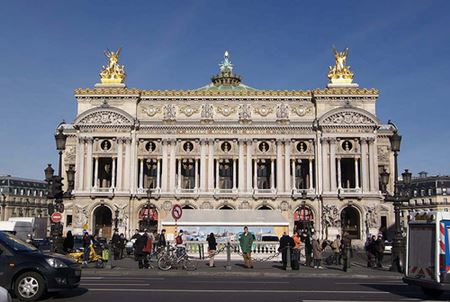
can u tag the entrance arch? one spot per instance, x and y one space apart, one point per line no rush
303 219
226 207
188 207
351 222
102 221
148 218
264 207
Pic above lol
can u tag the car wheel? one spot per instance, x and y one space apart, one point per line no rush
30 286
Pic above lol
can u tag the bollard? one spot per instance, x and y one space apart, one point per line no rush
109 264
200 249
228 256
288 258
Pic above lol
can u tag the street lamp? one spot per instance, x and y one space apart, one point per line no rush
3 206
60 139
70 180
401 193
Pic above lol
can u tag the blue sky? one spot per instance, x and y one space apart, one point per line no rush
49 48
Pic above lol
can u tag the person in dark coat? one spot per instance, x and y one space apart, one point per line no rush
68 242
379 248
162 238
212 247
139 246
122 244
115 241
308 248
286 240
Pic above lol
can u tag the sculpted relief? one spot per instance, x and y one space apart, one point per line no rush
104 118
348 117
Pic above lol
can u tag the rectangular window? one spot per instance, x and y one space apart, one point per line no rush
69 220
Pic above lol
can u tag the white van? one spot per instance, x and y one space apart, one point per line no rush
428 252
21 229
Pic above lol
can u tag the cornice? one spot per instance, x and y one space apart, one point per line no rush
346 91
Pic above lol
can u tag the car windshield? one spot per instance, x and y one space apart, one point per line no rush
15 243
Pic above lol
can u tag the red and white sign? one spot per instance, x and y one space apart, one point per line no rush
177 211
56 217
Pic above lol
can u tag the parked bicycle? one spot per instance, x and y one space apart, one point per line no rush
175 258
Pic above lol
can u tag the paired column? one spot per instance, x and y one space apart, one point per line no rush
113 176
272 176
364 165
234 174
373 166
217 174
203 179
179 174
249 166
196 173
211 165
311 179
127 169
325 165
241 165
356 173
280 180
287 166
141 173
89 159
339 175
119 164
165 165
172 169
158 173
255 175
79 185
294 180
333 165
96 172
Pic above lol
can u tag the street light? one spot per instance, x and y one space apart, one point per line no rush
3 206
401 193
70 180
60 139
116 220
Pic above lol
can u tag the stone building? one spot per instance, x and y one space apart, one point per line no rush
313 156
429 193
22 197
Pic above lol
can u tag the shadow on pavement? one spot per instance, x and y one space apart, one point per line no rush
407 291
76 292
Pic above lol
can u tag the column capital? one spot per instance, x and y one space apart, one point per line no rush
363 139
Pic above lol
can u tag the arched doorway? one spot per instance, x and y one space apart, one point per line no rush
187 206
148 218
304 219
264 207
226 207
351 222
102 221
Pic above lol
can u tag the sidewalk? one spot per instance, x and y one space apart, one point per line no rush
128 267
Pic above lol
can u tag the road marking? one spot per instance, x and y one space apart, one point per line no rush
241 282
240 291
114 284
119 278
372 283
92 278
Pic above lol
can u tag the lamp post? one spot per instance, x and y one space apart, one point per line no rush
116 220
60 139
401 193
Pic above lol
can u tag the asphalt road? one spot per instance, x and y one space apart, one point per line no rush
236 289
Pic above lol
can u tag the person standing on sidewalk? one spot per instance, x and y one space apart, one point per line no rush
162 238
115 241
86 248
379 247
148 248
335 247
246 241
346 250
122 243
139 246
308 248
285 240
317 252
296 253
212 247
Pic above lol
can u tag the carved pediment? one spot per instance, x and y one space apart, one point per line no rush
105 118
349 118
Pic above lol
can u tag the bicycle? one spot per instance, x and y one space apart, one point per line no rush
176 257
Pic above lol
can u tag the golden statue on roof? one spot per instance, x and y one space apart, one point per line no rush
340 73
113 73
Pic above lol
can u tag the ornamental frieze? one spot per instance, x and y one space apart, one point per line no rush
263 110
226 110
383 154
301 110
152 110
188 110
105 118
347 118
169 112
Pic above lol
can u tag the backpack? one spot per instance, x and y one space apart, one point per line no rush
179 240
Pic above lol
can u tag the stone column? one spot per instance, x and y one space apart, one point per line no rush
272 176
280 176
79 167
255 174
333 170
311 179
179 174
249 175
211 165
364 165
217 174
96 172
113 172
141 173
373 166
172 165
356 173
165 166
134 165
195 173
89 160
119 176
158 173
325 165
339 184
234 174
294 183
241 166
127 170
287 166
203 179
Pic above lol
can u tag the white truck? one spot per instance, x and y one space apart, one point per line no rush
428 252
38 225
21 229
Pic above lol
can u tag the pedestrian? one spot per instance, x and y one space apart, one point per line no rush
68 242
139 246
246 241
346 244
335 247
86 248
212 247
286 241
370 251
115 241
155 241
317 252
122 244
296 251
379 247
179 243
148 248
162 238
136 234
308 248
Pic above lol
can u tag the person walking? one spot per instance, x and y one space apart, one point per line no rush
246 241
179 243
379 248
296 251
162 238
86 248
285 241
317 252
122 244
115 240
308 248
139 246
346 244
148 248
371 251
68 242
212 247
335 247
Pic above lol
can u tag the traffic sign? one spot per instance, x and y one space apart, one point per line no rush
177 211
56 217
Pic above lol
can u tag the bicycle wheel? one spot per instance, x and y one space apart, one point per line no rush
165 263
189 265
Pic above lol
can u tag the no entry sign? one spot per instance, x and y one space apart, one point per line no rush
177 211
56 217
